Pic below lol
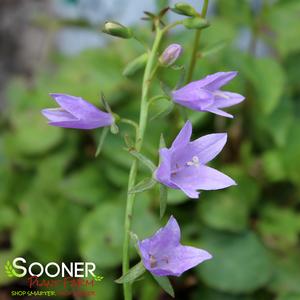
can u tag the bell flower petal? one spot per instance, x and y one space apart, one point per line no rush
217 80
219 112
75 112
202 178
187 95
205 94
186 257
163 172
163 255
183 136
205 148
226 99
58 114
183 165
78 124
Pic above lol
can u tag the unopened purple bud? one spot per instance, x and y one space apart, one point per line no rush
170 55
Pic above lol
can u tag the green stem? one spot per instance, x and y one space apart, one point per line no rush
196 45
138 145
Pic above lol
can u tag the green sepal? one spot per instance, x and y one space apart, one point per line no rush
164 112
114 129
105 104
165 284
101 140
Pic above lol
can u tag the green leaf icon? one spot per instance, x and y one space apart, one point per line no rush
98 277
9 270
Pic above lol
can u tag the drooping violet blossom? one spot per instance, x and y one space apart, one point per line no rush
183 166
163 255
170 54
74 112
205 94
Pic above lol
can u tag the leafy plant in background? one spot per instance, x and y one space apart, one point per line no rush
182 166
252 230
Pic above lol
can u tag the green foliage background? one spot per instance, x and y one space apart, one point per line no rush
59 203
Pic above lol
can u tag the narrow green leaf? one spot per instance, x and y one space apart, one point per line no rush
143 185
158 97
165 284
101 140
133 274
214 49
144 160
181 79
166 88
136 65
164 112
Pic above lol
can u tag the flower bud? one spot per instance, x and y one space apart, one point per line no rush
170 55
195 23
117 29
185 9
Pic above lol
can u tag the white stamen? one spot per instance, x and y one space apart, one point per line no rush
221 94
194 161
153 261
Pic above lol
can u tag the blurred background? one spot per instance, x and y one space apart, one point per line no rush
59 203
